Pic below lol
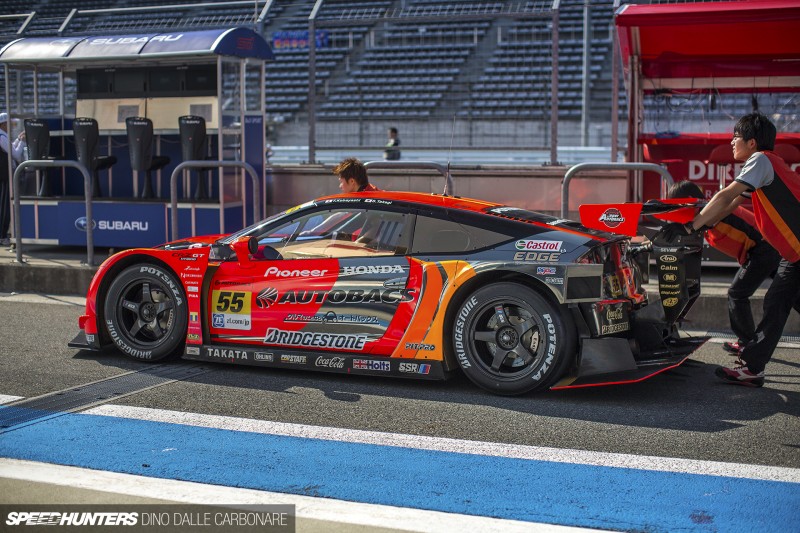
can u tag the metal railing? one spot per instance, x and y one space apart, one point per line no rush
173 187
87 191
666 177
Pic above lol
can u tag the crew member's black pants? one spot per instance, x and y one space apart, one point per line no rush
762 260
778 303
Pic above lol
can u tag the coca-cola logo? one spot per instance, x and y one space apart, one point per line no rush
612 217
330 362
613 314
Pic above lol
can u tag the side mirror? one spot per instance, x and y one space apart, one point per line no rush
244 247
221 252
240 249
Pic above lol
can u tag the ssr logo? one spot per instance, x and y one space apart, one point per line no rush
414 368
612 217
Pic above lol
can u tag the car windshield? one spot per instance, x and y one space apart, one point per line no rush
257 228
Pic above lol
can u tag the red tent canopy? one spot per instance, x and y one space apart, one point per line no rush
728 46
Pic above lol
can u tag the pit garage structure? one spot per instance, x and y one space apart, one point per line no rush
710 50
215 76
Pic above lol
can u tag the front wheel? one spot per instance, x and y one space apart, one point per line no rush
145 312
510 340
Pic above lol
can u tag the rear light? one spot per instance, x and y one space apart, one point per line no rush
621 276
592 257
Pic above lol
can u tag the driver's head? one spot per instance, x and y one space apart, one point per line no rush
685 189
352 175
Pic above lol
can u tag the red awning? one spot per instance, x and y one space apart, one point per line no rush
728 46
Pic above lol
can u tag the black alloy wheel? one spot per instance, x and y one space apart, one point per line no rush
509 339
145 312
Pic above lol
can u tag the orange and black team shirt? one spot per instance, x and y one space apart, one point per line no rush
735 235
776 203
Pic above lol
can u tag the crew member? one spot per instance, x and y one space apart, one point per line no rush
736 236
775 192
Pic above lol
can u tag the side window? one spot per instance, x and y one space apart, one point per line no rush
337 233
437 235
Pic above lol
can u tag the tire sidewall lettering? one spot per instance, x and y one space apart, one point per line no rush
122 345
551 348
175 332
551 344
459 342
157 272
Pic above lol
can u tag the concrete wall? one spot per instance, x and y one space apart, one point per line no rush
534 188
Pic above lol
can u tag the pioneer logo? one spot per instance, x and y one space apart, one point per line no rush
278 273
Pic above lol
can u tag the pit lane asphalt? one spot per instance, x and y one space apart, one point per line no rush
685 413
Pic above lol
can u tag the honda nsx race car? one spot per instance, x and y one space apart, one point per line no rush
409 285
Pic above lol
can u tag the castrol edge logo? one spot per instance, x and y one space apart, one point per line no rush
535 244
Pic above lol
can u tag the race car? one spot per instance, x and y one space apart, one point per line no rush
408 285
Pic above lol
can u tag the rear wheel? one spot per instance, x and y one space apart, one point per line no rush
510 340
145 312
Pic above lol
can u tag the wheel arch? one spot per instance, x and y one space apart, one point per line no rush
479 280
112 272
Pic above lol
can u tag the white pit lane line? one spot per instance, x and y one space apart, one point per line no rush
5 398
307 507
37 298
344 512
538 453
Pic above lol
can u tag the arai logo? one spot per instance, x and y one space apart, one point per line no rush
82 223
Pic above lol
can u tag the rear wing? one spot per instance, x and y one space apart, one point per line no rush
624 219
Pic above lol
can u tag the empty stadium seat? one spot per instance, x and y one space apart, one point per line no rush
140 146
87 134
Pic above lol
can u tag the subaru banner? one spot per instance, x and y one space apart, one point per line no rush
120 225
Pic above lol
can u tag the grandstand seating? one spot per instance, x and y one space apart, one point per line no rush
413 69
371 62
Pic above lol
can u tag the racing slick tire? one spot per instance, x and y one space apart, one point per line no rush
510 340
146 312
